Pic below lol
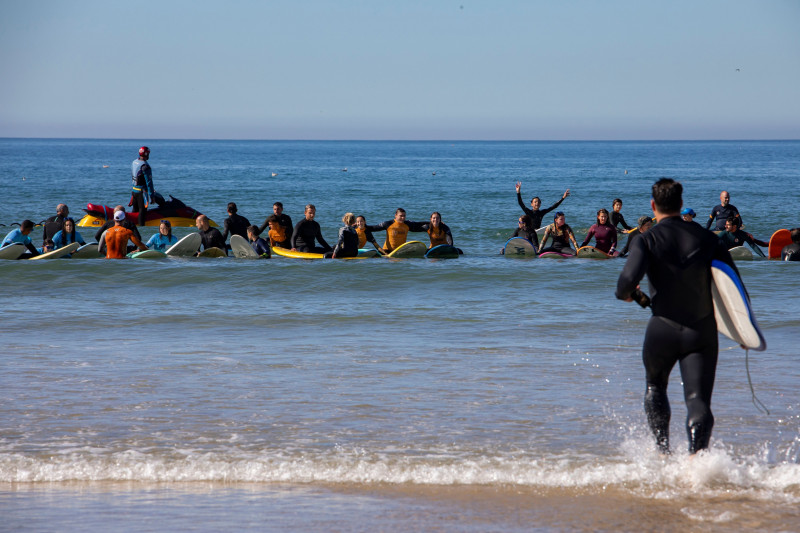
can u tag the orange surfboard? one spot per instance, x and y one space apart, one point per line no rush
779 239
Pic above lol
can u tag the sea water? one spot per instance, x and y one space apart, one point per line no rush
473 394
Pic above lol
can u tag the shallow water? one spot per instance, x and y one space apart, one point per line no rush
480 393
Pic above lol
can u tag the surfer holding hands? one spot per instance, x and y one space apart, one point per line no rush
676 257
534 212
561 235
365 235
397 230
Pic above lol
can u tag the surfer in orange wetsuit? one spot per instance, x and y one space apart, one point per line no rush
676 257
397 230
117 238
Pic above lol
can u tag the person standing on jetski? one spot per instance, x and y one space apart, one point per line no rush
142 191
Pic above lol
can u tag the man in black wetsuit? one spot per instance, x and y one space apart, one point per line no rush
306 232
55 224
733 236
791 252
235 224
676 256
210 237
283 219
723 212
535 213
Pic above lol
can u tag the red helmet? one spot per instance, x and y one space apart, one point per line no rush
144 150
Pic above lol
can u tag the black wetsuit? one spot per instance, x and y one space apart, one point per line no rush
791 252
676 256
536 216
283 219
739 238
723 213
617 219
561 243
305 232
632 236
347 245
235 225
52 226
527 234
212 238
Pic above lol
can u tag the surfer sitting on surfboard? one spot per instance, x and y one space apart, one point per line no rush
643 224
561 234
676 257
616 217
21 236
365 235
397 230
526 231
438 231
347 244
117 238
733 236
260 246
306 232
67 235
605 234
791 252
209 237
534 212
163 239
282 219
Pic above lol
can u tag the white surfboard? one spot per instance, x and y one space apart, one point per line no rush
740 253
732 309
12 251
519 247
87 251
186 247
61 252
241 248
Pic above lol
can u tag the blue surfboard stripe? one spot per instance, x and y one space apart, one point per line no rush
726 269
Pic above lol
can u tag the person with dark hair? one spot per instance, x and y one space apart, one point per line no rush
733 236
535 212
791 252
278 236
235 224
561 234
142 190
260 246
616 216
526 231
21 235
397 230
365 235
676 256
163 239
54 224
643 224
438 231
210 237
723 212
283 219
67 235
306 232
604 233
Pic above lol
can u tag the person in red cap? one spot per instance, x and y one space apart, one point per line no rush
143 190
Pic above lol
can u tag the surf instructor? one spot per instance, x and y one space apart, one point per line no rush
142 191
676 256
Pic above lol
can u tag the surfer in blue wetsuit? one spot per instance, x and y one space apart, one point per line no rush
561 235
67 235
21 236
142 190
535 212
734 237
162 240
676 257
723 212
791 252
260 246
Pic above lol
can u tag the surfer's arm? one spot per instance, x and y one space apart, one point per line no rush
448 235
525 209
633 271
417 226
138 242
588 238
544 237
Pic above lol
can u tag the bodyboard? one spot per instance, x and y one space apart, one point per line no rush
779 239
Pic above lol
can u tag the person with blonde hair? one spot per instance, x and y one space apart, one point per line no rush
347 245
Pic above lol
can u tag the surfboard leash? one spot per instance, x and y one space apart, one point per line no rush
759 405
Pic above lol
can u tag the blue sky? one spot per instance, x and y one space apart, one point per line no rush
408 69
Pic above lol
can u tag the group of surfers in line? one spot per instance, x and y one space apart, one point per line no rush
306 235
605 230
